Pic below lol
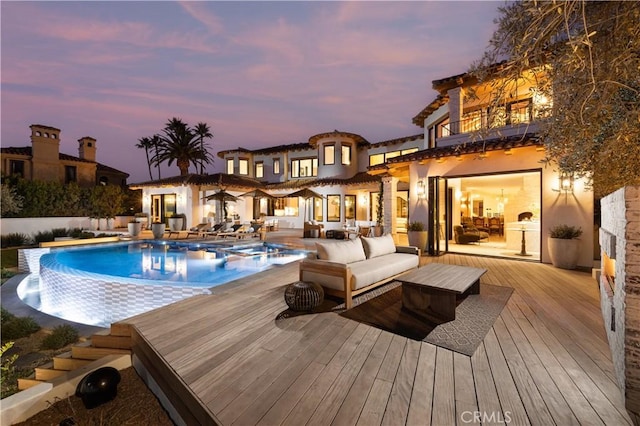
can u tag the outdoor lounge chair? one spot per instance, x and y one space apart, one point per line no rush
233 233
199 229
252 232
214 231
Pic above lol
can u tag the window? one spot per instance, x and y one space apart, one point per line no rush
70 174
381 158
520 112
243 167
330 154
305 167
317 209
285 206
259 169
230 166
16 167
408 151
103 180
333 208
391 154
346 154
349 206
376 159
276 166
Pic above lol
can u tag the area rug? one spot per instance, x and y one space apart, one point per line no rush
475 315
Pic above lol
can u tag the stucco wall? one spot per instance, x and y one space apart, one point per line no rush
555 208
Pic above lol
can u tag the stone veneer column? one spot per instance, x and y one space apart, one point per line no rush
620 241
389 185
456 107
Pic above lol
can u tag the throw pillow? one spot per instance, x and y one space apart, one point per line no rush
378 246
342 251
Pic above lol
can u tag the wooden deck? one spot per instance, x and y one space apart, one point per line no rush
228 359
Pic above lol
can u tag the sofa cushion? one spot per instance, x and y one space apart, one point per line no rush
342 251
378 246
371 271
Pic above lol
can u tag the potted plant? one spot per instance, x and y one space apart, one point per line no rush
157 228
417 235
176 222
134 227
564 246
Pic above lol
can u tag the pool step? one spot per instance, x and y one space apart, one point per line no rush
116 342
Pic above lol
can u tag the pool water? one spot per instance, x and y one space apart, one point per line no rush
188 264
103 284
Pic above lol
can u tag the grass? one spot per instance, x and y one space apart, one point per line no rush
9 258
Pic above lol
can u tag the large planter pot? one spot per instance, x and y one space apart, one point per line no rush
158 230
418 239
102 224
134 228
175 223
564 253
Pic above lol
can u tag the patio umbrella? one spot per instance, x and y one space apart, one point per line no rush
222 196
305 193
257 193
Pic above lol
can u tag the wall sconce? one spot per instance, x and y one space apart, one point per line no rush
565 183
421 190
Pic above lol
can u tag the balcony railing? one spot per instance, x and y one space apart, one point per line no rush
511 115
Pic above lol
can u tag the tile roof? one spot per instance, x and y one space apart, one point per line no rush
27 152
361 178
313 140
440 100
216 179
397 140
270 150
476 147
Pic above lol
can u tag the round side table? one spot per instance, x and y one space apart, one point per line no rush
303 295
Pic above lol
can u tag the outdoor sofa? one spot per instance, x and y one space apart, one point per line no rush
347 268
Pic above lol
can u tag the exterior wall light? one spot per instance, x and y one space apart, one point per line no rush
565 183
421 190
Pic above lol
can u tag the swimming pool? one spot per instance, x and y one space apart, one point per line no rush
102 284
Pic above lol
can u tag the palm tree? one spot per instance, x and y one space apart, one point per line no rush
145 143
203 131
179 142
156 141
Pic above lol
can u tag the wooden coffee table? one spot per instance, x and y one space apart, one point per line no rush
431 291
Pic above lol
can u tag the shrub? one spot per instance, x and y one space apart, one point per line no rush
565 232
7 369
18 327
43 237
60 232
5 315
416 226
15 239
61 336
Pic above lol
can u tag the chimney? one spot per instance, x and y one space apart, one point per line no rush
45 153
87 148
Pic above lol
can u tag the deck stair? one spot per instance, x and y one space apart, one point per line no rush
117 341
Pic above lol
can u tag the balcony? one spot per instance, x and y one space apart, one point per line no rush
510 120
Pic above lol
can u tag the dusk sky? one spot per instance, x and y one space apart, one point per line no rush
259 73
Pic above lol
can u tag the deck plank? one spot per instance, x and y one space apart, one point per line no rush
545 361
423 384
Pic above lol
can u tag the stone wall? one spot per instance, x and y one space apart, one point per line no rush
620 301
